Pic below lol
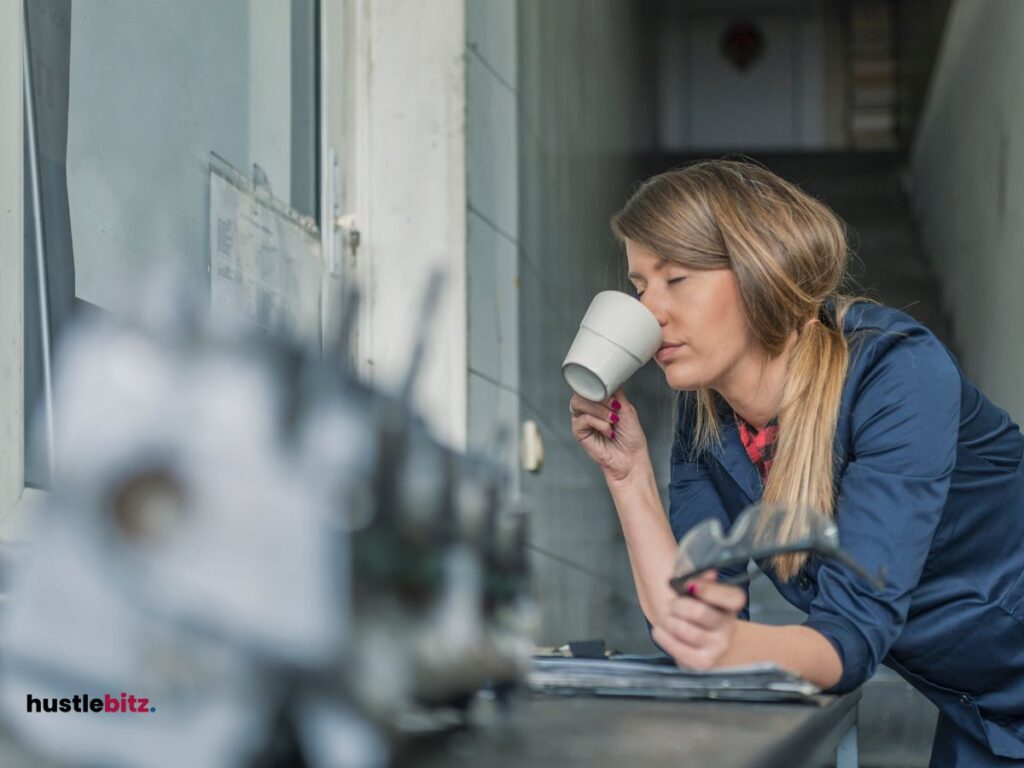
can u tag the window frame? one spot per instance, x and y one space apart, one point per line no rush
12 445
16 499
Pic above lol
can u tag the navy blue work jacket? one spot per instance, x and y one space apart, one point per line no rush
930 489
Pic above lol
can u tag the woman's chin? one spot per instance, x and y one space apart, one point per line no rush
681 381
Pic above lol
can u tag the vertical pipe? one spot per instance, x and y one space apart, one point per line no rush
40 243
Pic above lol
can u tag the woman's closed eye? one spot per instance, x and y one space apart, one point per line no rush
673 281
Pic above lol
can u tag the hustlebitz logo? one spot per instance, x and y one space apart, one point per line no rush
106 704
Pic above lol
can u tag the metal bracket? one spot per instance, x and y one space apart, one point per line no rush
531 447
346 224
345 235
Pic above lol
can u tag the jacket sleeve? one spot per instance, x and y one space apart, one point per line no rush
693 497
904 424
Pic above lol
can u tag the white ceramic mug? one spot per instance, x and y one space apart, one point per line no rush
617 336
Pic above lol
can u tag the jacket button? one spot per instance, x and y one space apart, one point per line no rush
965 699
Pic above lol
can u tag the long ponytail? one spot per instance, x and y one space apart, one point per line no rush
802 474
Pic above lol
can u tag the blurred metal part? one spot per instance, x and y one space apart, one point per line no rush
531 451
280 558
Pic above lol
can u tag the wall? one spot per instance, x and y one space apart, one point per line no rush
585 114
11 277
406 186
557 116
968 190
492 220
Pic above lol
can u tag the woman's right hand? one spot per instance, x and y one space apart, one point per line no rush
610 433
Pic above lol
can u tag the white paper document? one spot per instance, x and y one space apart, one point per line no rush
265 263
651 678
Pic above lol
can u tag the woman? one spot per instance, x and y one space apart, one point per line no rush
792 393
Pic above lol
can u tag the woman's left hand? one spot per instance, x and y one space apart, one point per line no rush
699 627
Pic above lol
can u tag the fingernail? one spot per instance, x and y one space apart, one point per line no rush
616 405
692 589
613 418
613 435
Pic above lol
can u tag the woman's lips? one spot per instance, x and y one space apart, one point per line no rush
665 351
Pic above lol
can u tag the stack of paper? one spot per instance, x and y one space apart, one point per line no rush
657 677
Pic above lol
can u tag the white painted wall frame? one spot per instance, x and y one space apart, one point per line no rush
405 185
11 260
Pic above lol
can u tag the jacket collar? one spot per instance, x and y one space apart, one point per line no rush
730 453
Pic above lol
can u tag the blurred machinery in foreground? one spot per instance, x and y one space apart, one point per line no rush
278 559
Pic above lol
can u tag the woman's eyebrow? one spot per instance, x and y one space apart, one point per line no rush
658 266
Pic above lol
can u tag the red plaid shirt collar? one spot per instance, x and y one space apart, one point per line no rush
760 444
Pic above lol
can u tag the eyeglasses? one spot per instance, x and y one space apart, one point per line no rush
761 531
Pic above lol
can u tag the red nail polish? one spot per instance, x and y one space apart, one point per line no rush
616 405
613 418
692 589
613 435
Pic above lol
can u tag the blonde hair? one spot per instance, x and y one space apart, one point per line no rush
788 252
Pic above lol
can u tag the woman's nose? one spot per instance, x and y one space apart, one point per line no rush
657 307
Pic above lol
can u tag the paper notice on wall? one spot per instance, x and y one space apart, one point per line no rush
265 264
